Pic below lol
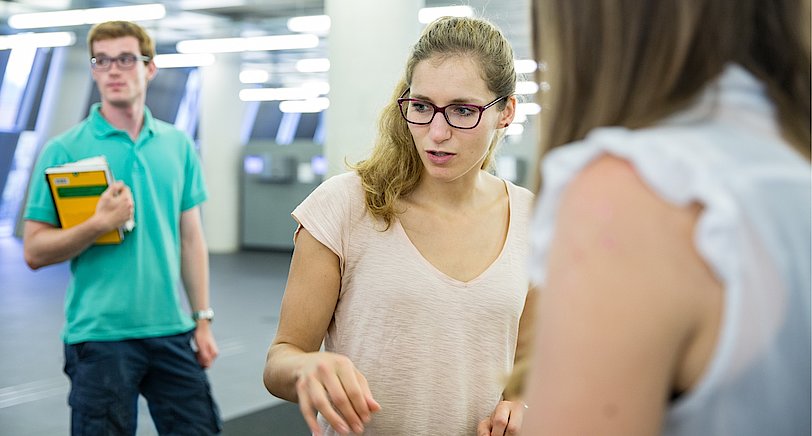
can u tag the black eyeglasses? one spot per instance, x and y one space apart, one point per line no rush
460 116
124 62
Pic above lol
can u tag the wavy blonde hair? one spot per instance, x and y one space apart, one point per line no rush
394 168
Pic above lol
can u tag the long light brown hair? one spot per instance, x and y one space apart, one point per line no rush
632 62
394 168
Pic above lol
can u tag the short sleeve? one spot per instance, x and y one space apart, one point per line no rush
557 170
327 212
40 204
194 185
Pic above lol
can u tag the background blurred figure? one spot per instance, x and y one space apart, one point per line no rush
126 331
672 237
413 268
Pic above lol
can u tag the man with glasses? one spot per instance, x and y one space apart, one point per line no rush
126 332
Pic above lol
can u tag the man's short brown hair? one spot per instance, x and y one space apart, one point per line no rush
120 29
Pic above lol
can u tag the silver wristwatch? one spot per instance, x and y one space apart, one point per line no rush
207 314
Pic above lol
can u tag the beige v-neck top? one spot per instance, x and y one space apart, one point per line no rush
434 349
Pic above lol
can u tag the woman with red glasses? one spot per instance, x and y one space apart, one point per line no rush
412 268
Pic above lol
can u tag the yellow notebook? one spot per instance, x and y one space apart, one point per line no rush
76 188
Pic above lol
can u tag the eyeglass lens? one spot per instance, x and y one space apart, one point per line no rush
458 115
125 61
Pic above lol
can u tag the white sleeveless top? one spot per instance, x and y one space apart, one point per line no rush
726 153
435 350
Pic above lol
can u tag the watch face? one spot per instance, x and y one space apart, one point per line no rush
203 314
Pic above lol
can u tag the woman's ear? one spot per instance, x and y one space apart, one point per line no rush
508 113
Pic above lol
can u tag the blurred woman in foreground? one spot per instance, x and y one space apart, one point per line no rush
671 241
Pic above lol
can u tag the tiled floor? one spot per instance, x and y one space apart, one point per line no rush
247 290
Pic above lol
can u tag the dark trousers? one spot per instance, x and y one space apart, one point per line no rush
106 378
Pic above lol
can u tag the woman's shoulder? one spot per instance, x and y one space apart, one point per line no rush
595 190
342 193
606 175
343 185
520 192
519 195
609 195
344 180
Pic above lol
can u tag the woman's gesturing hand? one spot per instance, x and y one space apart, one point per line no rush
333 387
506 420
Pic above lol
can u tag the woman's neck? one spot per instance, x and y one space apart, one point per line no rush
463 193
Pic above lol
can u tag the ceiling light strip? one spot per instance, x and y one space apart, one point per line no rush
254 76
427 15
175 60
77 17
270 94
319 24
256 43
49 39
316 65
304 106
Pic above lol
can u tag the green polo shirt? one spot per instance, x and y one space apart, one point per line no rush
131 290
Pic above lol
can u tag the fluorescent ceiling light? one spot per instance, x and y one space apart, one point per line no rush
49 39
254 76
255 43
190 5
48 4
269 94
78 17
318 65
519 117
221 45
526 87
281 42
525 66
427 15
528 108
514 129
318 24
184 60
305 106
319 87
307 91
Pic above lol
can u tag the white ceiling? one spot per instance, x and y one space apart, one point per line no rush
194 19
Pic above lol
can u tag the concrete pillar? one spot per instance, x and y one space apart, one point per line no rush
221 119
368 45
67 88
